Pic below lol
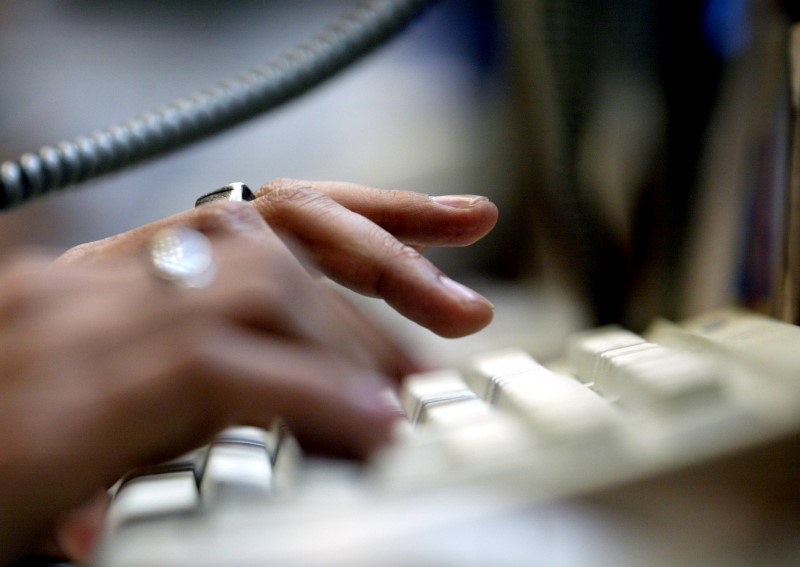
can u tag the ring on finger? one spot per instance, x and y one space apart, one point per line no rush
182 256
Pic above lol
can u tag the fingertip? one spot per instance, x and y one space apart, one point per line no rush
376 433
437 302
375 410
471 313
462 293
466 323
458 220
369 429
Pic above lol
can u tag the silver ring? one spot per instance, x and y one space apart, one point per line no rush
183 256
230 192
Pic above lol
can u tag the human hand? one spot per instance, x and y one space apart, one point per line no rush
97 356
366 239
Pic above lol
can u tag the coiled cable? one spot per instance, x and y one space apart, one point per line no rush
209 111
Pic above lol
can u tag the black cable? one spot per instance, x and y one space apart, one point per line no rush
207 112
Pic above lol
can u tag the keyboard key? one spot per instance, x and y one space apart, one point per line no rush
669 380
771 346
486 372
192 461
238 466
556 407
585 350
153 496
244 436
425 390
488 444
607 369
455 415
287 458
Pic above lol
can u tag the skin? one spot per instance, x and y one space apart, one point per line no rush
96 353
370 241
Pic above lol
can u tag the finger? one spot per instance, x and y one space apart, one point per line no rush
393 358
413 218
330 405
357 253
264 286
194 381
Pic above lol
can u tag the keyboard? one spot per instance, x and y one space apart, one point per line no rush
622 452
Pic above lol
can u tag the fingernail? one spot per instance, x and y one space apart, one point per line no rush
458 201
461 291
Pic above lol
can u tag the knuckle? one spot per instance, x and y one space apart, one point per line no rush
279 183
277 199
398 260
380 243
294 194
404 253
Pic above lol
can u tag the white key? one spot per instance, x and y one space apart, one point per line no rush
557 407
454 415
286 460
156 495
770 345
584 350
609 363
402 427
424 390
485 371
235 471
243 435
671 381
488 444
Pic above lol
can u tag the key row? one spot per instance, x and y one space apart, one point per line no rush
242 463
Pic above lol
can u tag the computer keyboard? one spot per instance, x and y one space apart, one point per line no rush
489 459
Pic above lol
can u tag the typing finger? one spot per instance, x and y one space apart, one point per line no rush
361 255
413 218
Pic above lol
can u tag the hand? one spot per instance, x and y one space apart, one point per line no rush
366 239
96 356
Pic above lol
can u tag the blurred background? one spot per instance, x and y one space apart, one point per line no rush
637 150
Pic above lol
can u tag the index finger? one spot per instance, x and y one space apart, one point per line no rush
413 218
